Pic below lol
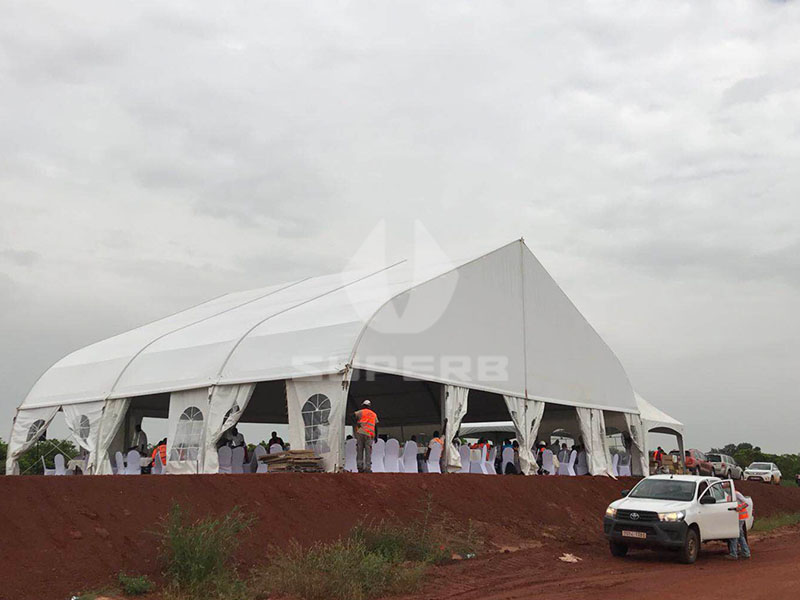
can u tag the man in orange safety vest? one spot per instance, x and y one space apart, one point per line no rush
735 544
366 433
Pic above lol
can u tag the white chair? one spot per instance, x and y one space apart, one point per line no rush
547 462
477 460
625 465
46 470
565 467
391 457
615 465
224 458
60 469
133 465
258 452
582 466
350 456
463 451
507 458
163 466
434 458
378 452
157 467
492 455
409 462
275 448
120 460
237 460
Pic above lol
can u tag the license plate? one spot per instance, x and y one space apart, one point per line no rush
635 534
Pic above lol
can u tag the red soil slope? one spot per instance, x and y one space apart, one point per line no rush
64 535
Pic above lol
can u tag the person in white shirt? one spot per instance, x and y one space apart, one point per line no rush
235 439
139 442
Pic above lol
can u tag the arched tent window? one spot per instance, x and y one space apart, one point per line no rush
316 414
34 430
188 435
84 428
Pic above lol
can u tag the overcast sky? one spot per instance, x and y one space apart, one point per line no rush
153 156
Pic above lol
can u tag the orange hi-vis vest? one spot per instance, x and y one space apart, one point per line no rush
741 508
367 420
162 450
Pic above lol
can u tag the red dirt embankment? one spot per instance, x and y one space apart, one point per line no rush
63 535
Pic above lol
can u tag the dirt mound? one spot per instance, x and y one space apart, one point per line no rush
64 535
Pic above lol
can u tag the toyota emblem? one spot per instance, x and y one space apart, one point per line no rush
634 516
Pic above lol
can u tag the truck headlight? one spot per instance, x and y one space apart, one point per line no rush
672 517
611 512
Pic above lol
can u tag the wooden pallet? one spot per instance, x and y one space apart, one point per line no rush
303 461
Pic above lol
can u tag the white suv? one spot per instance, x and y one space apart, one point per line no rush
674 511
763 471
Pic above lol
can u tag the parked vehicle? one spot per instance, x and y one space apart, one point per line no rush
797 479
724 466
698 464
763 471
678 512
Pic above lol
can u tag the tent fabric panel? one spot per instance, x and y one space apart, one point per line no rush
225 407
639 456
527 417
90 373
317 407
29 425
593 435
566 358
83 421
423 332
188 417
455 407
110 435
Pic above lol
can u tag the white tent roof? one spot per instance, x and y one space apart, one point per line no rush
497 323
655 419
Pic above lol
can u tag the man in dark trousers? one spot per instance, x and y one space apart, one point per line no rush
366 432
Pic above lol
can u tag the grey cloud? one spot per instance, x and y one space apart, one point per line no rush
22 258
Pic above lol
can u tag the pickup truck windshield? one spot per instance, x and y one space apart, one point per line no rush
664 489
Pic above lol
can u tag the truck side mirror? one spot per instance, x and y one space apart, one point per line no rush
624 493
708 499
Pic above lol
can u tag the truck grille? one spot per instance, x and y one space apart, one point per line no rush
644 516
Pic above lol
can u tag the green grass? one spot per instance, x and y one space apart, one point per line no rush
199 555
135 585
766 524
374 560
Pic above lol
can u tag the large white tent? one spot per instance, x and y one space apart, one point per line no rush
428 342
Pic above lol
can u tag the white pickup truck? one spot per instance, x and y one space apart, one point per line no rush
674 511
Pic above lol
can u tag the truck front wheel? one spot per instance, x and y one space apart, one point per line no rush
617 549
691 547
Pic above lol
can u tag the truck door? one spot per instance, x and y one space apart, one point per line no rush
719 519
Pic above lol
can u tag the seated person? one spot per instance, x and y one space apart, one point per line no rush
139 442
275 440
160 449
435 440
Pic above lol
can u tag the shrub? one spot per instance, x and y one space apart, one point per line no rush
198 556
135 585
342 570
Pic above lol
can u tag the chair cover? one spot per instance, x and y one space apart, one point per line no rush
490 468
508 458
434 458
378 451
237 460
120 460
350 463
464 454
224 459
410 458
615 465
547 462
391 458
134 465
275 448
582 467
58 460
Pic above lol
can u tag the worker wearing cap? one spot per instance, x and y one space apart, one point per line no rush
540 456
366 432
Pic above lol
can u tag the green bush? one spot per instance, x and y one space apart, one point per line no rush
343 570
135 585
199 556
776 521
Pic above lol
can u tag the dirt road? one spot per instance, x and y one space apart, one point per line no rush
772 574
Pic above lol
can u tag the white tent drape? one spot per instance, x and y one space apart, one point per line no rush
83 422
226 405
455 407
188 413
639 460
317 408
527 416
29 425
114 412
593 431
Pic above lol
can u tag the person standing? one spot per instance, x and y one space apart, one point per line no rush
366 432
741 542
139 442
